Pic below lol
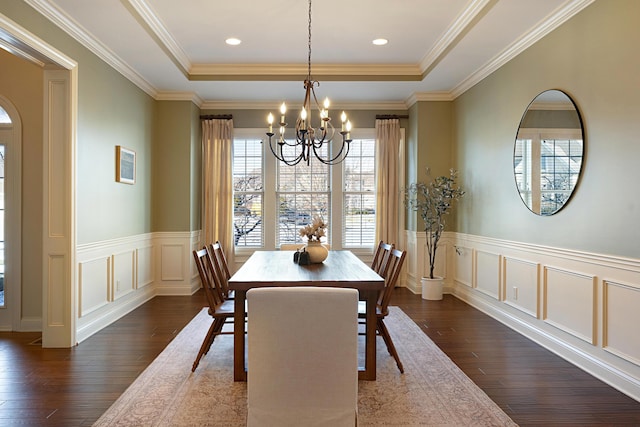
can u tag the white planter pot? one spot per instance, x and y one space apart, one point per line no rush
432 288
317 252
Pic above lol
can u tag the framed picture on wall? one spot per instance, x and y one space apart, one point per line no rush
125 165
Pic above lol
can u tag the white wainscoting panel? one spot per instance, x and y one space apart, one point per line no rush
413 263
573 310
621 319
94 284
145 266
463 265
119 275
522 285
176 263
173 268
440 269
569 302
123 273
488 274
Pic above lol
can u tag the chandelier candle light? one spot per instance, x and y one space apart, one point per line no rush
308 138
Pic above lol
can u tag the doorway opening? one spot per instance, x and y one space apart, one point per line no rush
5 122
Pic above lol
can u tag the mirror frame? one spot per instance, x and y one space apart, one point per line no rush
539 131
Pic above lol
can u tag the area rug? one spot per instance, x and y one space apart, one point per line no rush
433 391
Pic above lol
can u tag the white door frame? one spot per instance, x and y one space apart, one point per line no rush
59 299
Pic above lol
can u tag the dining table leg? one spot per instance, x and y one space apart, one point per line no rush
239 372
369 372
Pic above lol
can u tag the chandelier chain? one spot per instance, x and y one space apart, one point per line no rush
309 45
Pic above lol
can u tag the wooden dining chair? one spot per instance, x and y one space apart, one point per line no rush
220 309
380 258
395 261
222 268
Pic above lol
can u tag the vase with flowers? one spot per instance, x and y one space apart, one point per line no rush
313 232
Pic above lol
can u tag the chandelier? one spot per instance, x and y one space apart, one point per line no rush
309 139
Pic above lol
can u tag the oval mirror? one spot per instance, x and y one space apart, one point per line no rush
547 158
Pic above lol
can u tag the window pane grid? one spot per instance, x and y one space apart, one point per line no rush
297 210
302 193
559 171
248 178
359 203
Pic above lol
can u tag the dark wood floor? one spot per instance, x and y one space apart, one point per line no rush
73 387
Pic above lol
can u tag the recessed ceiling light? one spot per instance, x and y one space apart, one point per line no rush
233 41
380 42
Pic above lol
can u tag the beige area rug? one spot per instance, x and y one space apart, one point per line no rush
433 391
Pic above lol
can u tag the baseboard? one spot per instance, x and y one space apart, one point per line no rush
113 312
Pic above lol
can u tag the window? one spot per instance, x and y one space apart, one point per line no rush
272 201
248 177
557 155
359 195
4 117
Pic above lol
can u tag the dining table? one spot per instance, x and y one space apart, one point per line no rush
341 269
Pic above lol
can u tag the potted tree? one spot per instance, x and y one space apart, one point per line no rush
433 200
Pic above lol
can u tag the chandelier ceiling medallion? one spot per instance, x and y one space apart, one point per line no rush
307 138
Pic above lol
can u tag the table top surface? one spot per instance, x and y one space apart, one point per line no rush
276 268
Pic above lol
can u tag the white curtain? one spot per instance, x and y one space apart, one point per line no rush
217 185
388 180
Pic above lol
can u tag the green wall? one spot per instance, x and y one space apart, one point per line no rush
593 57
196 168
429 145
111 112
173 161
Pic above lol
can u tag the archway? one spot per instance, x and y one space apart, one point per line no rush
10 216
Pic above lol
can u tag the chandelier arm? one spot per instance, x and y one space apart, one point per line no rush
339 157
335 160
280 157
319 142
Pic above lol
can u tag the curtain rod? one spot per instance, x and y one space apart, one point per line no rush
391 116
217 116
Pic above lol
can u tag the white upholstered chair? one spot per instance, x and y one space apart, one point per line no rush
302 367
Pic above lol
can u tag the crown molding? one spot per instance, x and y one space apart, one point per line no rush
453 32
180 96
159 33
82 36
429 96
540 30
266 105
292 72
